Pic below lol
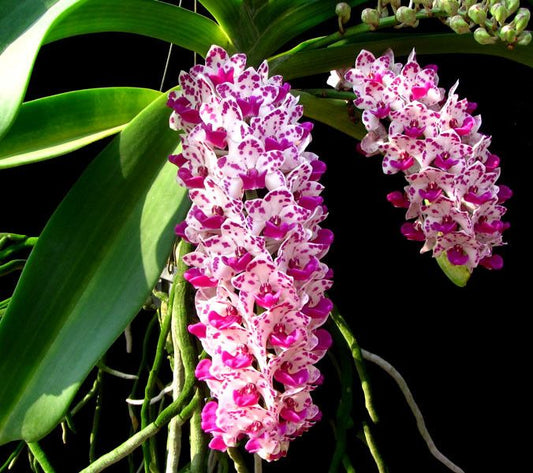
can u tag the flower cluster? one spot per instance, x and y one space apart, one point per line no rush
451 198
255 220
492 21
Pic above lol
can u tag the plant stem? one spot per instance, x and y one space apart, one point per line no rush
123 450
12 266
373 449
258 464
96 418
238 460
148 447
198 444
345 404
346 462
174 430
40 456
351 341
23 243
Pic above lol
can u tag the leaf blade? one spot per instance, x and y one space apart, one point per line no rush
23 26
101 253
70 121
332 112
145 17
315 61
282 20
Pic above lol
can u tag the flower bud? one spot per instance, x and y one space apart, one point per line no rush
483 37
507 33
511 5
370 16
478 14
521 19
524 38
406 16
343 11
499 12
458 24
451 7
466 4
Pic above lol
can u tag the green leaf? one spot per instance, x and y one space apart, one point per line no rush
59 124
23 25
459 275
283 20
144 17
229 15
93 267
332 112
310 61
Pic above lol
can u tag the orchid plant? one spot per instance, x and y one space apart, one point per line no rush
206 210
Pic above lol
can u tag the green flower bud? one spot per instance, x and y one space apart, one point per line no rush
468 3
483 37
370 16
524 38
507 33
478 14
458 24
511 5
406 16
521 19
343 11
499 12
451 7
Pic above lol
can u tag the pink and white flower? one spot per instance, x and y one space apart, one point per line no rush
255 221
453 202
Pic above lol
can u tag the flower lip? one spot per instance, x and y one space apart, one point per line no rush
246 396
241 359
299 378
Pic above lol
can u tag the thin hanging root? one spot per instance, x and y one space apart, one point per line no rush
153 400
386 366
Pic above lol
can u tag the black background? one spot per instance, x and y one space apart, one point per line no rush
463 351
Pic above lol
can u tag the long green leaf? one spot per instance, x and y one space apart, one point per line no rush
283 20
314 61
92 269
145 17
59 124
23 25
332 112
231 16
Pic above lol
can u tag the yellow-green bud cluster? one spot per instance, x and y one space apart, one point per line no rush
490 21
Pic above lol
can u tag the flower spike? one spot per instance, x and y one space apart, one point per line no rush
255 219
452 201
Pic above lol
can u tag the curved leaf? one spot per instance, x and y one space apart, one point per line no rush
145 17
234 18
23 26
92 269
283 20
332 112
314 61
59 124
